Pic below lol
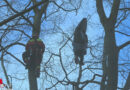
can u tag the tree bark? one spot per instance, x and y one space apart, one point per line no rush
36 30
110 55
31 72
32 80
112 58
77 88
104 67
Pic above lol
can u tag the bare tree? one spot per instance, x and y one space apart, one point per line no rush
111 50
31 20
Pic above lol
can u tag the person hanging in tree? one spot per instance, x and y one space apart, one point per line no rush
34 52
80 41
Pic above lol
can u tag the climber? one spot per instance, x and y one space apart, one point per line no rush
26 58
80 41
33 55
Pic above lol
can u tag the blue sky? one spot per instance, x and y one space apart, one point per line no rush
52 42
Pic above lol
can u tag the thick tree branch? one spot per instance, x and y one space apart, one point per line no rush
44 8
114 11
99 5
122 33
124 45
80 74
34 3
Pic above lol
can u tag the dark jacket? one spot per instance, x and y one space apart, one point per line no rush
33 44
80 41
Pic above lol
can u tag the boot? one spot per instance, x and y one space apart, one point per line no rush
81 61
76 60
28 65
37 72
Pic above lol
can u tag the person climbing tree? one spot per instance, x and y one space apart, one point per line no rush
80 41
33 55
26 58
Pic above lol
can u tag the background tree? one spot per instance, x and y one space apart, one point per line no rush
111 50
25 22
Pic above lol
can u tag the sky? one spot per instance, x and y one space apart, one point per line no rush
52 42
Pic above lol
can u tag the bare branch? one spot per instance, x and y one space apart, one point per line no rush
68 10
124 9
91 81
8 46
5 72
122 18
124 45
122 33
15 58
20 13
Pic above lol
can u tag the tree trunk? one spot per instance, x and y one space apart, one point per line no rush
32 80
31 72
77 88
110 61
104 67
112 58
110 54
36 29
